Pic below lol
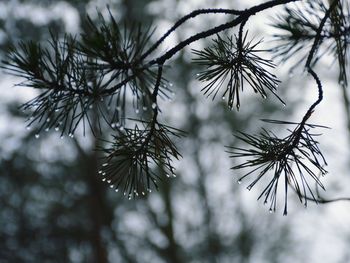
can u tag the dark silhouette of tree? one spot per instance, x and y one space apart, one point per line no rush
112 79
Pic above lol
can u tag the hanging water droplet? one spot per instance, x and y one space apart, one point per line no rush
56 110
154 105
249 187
28 127
137 111
171 84
223 98
111 186
290 74
47 129
143 193
144 108
90 106
104 179
116 190
270 210
239 181
109 181
37 136
104 164
263 96
121 128
124 193
198 74
129 197
101 99
57 129
113 125
48 120
174 175
89 83
167 175
99 171
104 173
62 137
149 190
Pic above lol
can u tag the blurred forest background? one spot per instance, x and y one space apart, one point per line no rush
54 206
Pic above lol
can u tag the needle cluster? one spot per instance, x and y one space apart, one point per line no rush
296 158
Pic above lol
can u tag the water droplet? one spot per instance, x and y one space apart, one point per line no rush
239 181
90 106
137 111
249 187
56 110
48 119
270 210
124 193
223 98
263 96
100 171
198 74
101 99
104 179
104 173
174 175
111 186
167 175
113 125
129 197
154 105
144 108
28 128
37 136
47 129
116 190
89 83
62 137
121 128
109 181
290 74
171 84
143 193
104 164
149 190
57 129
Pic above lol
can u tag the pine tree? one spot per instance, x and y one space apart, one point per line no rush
114 75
